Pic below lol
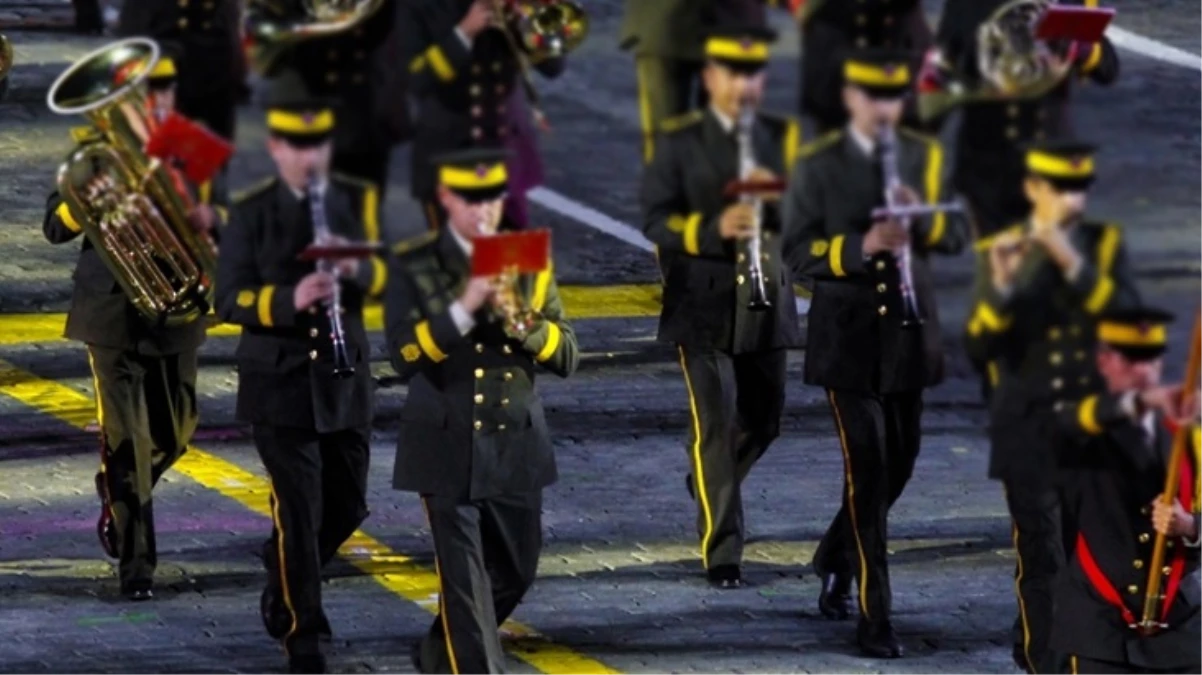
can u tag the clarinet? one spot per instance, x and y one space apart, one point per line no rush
888 146
321 232
746 122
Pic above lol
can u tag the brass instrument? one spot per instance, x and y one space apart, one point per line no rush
747 164
537 30
510 305
270 36
132 207
1150 621
321 234
1010 62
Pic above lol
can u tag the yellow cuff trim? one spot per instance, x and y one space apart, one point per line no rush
1095 57
265 295
1100 295
552 344
379 277
836 256
989 319
426 341
1087 416
64 213
439 63
691 234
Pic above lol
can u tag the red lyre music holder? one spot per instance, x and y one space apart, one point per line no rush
189 146
1071 22
357 250
737 188
511 252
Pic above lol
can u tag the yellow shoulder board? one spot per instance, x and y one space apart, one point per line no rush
254 190
681 121
414 243
984 243
84 134
821 143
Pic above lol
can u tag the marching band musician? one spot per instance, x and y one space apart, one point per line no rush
831 29
873 366
733 358
463 71
311 428
1039 289
473 440
1117 448
144 374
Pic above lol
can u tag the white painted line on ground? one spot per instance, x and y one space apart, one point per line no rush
1153 48
564 206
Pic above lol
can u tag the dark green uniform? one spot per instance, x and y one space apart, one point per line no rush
733 358
1038 344
873 368
1119 462
473 442
311 429
145 380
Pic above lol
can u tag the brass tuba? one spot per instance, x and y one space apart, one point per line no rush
1010 62
130 206
271 33
546 29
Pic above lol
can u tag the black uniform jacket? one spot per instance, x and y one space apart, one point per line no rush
461 91
856 340
833 28
1038 341
706 277
208 30
1117 474
285 356
360 68
989 162
676 29
472 426
100 313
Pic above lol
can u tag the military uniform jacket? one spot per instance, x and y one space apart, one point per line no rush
1038 341
472 426
359 68
285 356
101 314
989 162
462 90
706 277
833 28
1117 473
676 29
856 341
208 30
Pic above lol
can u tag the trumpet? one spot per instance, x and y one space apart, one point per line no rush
321 232
745 124
509 305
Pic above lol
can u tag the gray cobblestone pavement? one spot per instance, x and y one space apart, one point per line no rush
619 580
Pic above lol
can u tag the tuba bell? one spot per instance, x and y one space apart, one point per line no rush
270 32
1010 63
132 207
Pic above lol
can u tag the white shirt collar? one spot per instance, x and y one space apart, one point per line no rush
465 245
865 143
300 194
728 125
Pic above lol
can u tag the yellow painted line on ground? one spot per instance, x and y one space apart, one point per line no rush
394 571
580 302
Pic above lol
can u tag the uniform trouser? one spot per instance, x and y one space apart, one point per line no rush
147 411
736 402
318 499
880 436
1037 533
667 88
1083 665
486 555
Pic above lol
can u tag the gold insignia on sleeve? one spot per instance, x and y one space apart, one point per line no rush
818 248
411 352
246 298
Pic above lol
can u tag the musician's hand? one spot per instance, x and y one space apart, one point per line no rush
906 196
1005 256
1173 520
479 291
762 175
737 221
1164 399
885 235
347 267
203 218
479 17
314 288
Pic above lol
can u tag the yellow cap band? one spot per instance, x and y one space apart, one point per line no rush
296 123
1126 335
751 51
482 176
1059 167
870 75
165 67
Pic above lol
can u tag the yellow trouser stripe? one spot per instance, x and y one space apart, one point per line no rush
104 453
1022 606
264 305
548 350
283 563
1073 664
836 256
698 469
851 505
442 595
426 341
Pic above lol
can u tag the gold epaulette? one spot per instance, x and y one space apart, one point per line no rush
821 143
415 243
85 134
681 121
984 243
254 190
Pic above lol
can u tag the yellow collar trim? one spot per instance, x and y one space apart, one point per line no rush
1059 167
870 75
750 51
296 123
482 176
1126 335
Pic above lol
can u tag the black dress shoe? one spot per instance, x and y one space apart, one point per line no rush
306 663
137 593
834 600
276 618
877 639
725 577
